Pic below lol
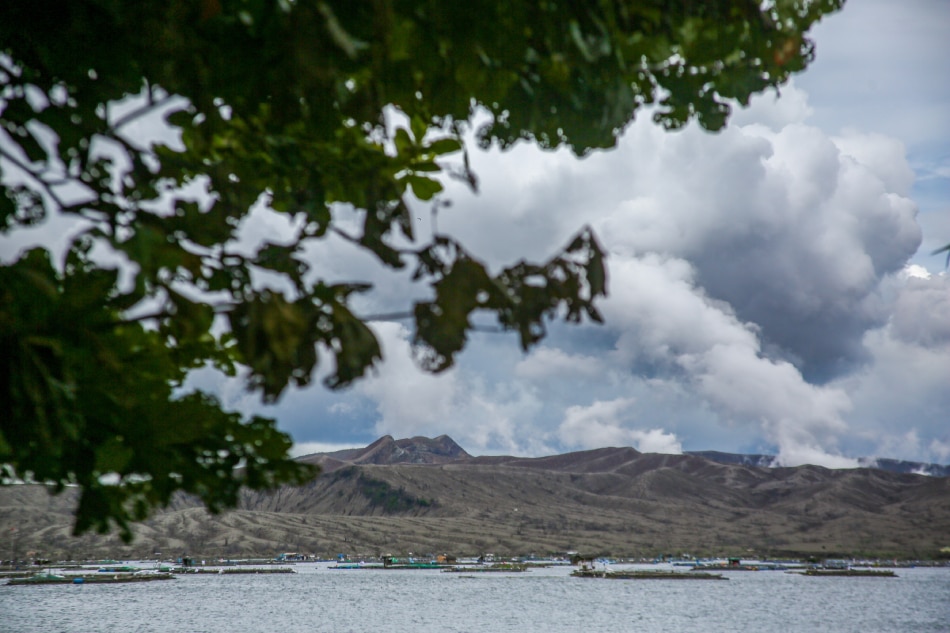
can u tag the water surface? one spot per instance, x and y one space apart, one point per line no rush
542 600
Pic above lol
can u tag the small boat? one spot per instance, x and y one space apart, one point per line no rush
879 573
42 578
53 579
645 574
500 567
360 565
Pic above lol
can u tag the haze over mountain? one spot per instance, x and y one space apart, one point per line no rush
429 495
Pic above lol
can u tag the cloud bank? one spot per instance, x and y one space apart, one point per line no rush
759 301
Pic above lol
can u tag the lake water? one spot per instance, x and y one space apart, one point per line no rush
543 600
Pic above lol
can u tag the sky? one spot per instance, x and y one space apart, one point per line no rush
771 287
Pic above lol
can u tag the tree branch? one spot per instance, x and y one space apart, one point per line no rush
33 176
138 112
391 316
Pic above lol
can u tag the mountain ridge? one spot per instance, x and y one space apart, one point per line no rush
879 463
429 495
443 449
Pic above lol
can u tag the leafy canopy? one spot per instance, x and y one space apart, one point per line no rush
284 103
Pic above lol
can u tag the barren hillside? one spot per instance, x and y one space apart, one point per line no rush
426 495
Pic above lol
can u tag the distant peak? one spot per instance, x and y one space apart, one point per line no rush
443 446
414 450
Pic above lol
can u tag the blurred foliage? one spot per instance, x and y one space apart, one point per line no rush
284 103
945 249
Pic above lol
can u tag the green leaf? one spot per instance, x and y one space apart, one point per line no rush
423 188
404 142
426 166
113 456
31 147
444 146
419 127
7 210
